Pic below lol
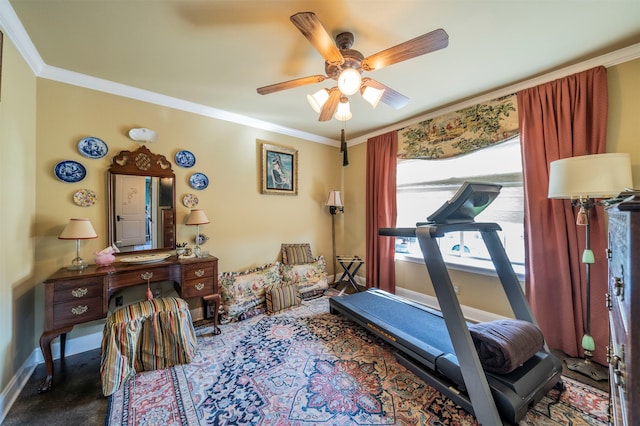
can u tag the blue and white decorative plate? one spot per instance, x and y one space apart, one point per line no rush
70 171
185 159
92 147
199 181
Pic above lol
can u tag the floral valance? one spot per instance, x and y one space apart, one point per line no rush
460 132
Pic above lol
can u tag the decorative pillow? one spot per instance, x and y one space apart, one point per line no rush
296 254
281 298
244 291
308 277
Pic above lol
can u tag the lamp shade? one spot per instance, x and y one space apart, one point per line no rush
334 199
78 229
318 99
371 95
590 176
343 112
197 217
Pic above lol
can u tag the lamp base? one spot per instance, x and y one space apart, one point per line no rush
588 368
77 264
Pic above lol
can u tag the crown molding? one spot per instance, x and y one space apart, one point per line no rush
13 28
15 31
607 60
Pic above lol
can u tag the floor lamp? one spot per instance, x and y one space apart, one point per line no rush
584 179
334 201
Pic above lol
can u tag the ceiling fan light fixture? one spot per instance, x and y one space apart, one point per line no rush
371 95
318 99
343 112
349 81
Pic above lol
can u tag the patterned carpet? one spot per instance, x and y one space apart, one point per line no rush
306 366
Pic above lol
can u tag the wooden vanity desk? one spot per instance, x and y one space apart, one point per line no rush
77 297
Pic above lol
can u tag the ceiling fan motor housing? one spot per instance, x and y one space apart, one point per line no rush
352 58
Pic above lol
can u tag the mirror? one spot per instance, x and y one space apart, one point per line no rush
142 193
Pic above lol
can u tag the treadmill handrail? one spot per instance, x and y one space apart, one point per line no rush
438 230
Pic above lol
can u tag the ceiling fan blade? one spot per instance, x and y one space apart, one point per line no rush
435 40
290 84
390 97
330 105
311 27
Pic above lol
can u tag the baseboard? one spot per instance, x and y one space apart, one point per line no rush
471 314
16 384
73 346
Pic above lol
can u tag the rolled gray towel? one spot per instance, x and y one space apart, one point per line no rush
504 345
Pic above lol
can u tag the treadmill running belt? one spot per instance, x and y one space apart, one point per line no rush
418 328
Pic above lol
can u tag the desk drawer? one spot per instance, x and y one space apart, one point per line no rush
197 270
83 288
197 288
77 311
137 277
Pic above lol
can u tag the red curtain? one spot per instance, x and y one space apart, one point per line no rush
563 118
381 210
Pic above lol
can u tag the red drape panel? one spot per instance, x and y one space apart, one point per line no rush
563 118
381 210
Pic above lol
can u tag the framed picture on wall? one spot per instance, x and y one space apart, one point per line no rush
279 170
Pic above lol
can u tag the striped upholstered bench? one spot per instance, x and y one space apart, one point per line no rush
145 336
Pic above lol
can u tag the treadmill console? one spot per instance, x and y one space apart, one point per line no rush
468 202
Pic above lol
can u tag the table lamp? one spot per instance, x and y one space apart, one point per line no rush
78 229
197 217
582 180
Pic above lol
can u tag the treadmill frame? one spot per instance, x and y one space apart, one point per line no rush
475 379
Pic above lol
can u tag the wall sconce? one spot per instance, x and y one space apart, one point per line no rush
78 229
582 179
197 217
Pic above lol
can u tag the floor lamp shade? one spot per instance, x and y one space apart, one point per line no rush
590 176
78 229
334 199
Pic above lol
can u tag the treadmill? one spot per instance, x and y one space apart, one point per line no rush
437 345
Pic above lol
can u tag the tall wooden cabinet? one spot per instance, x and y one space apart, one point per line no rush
624 311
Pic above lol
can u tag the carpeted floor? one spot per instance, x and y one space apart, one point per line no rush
77 399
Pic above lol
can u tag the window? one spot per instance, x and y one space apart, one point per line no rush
424 185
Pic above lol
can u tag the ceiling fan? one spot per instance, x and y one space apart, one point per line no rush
346 65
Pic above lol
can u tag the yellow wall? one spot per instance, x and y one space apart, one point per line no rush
246 227
480 291
17 214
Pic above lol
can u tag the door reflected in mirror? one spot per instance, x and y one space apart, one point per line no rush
141 202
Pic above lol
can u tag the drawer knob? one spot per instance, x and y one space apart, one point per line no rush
199 286
79 310
199 273
79 292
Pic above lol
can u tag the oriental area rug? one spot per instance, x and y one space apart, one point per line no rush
305 366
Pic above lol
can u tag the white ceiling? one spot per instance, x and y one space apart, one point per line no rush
214 54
